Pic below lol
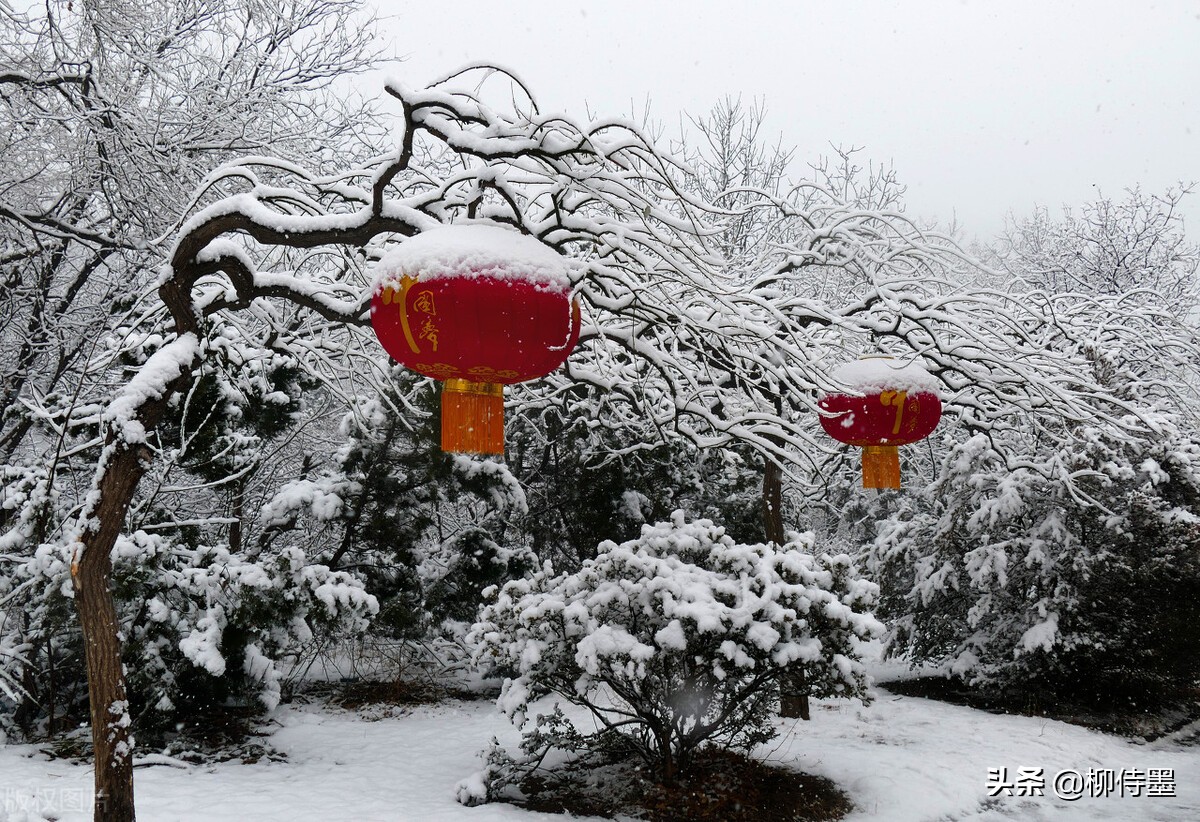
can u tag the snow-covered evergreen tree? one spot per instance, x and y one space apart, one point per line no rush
1009 578
424 530
1051 556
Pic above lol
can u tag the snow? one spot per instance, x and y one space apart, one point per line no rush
220 248
506 493
260 667
203 645
473 250
341 766
671 637
150 383
319 495
1041 636
883 373
763 635
633 503
901 759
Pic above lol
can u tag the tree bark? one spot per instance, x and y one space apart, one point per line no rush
793 685
793 693
772 502
112 740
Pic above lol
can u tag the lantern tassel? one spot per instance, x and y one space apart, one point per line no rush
881 466
472 417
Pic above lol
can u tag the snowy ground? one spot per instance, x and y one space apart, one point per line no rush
900 759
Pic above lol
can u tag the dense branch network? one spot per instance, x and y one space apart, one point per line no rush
707 347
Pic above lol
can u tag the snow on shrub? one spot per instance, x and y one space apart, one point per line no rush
673 640
229 617
202 625
1010 578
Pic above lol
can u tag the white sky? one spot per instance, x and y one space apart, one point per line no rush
983 108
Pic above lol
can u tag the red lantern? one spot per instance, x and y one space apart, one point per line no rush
477 307
891 405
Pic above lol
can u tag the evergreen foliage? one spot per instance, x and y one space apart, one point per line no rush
1012 581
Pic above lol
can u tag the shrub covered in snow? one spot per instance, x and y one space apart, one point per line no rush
673 640
210 625
1009 576
201 626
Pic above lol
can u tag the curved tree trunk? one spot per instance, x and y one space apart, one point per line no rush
112 741
122 466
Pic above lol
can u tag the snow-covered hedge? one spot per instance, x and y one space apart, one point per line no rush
674 640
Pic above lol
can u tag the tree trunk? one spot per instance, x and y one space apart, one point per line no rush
772 502
670 768
793 686
793 693
112 740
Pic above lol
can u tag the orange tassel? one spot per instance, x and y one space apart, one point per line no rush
472 417
881 466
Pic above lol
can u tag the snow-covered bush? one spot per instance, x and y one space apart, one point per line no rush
1009 579
211 625
673 640
202 626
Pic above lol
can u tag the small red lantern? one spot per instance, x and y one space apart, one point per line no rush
477 307
891 405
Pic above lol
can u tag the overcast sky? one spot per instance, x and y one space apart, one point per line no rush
983 108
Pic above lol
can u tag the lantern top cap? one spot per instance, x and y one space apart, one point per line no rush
475 250
883 373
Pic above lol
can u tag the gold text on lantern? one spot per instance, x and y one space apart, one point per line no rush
897 399
424 303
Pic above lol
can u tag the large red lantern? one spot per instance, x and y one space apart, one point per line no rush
887 405
477 307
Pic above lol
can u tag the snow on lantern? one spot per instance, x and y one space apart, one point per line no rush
476 307
890 405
